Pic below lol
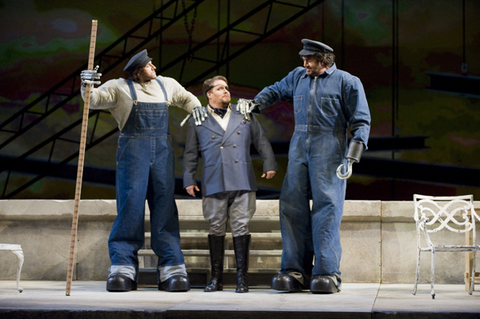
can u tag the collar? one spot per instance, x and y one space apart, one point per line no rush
212 109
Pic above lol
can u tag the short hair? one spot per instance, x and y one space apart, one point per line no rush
207 84
325 58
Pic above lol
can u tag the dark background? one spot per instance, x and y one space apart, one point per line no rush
418 62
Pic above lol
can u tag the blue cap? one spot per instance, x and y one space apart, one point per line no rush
139 60
311 47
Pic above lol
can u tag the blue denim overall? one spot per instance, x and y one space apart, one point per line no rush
145 172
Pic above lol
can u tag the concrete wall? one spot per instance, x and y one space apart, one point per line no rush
378 240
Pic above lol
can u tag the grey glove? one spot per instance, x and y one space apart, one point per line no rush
199 115
355 151
245 107
90 76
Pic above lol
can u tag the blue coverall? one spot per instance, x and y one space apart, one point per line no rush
324 107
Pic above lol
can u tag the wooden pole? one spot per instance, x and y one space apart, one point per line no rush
81 160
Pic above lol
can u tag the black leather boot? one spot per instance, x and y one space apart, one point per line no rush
241 246
217 250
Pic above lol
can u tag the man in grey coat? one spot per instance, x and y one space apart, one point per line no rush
228 178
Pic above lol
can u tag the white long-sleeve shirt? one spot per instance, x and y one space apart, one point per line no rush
114 95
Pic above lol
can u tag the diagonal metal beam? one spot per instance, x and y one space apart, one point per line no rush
269 29
42 107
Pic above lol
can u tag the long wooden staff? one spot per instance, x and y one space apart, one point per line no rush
81 159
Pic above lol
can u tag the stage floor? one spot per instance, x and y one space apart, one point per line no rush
89 299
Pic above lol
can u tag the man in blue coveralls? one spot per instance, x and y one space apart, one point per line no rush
326 102
144 171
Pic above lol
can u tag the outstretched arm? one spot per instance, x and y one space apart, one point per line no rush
280 91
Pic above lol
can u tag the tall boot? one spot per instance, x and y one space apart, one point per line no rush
241 246
217 250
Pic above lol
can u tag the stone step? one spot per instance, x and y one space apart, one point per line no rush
197 218
228 252
270 236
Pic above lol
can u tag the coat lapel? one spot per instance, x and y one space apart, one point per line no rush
212 124
233 123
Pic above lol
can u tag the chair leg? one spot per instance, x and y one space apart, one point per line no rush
20 256
417 273
433 274
472 274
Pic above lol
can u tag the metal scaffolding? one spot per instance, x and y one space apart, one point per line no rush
29 167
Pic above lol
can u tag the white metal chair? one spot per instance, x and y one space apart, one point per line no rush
17 250
453 214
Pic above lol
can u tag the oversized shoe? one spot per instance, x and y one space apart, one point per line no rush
177 283
285 282
120 283
325 284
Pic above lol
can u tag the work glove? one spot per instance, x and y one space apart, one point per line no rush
199 114
90 77
245 107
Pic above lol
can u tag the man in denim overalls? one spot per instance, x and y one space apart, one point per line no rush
145 171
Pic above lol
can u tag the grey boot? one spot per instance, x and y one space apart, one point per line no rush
241 246
217 251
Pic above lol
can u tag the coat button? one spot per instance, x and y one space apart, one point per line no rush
238 132
221 147
236 161
213 137
234 146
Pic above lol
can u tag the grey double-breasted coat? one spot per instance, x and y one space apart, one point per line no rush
226 153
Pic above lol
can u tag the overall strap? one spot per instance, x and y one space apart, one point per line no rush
132 91
163 88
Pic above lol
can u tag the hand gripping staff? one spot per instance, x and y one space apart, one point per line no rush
81 153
